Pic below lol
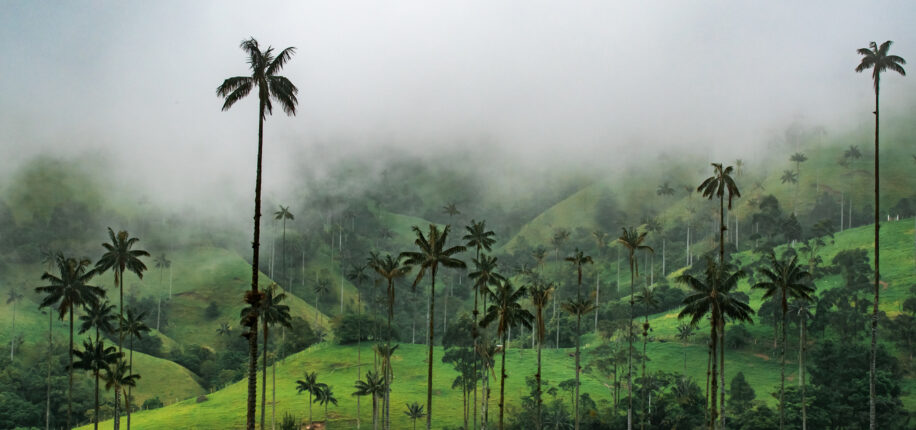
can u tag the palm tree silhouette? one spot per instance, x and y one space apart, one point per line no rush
389 268
271 312
540 296
578 307
385 352
374 386
664 190
98 316
783 279
802 308
13 297
67 292
507 312
414 411
432 253
633 242
119 257
284 214
117 378
323 396
271 86
310 385
162 263
718 185
451 209
94 358
876 58
711 295
484 277
133 326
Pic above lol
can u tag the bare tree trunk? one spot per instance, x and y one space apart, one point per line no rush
48 404
429 359
254 301
874 318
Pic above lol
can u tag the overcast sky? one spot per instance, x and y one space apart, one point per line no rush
136 79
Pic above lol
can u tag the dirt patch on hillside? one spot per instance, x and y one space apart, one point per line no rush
763 356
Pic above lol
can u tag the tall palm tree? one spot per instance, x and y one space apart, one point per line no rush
802 308
357 275
432 252
162 262
718 185
647 298
783 279
578 307
797 158
310 385
479 237
100 317
451 209
271 86
119 257
374 386
133 326
323 396
632 240
712 295
118 377
414 412
284 214
271 312
876 58
385 352
389 268
484 277
664 190
67 292
321 288
507 312
540 296
13 297
94 358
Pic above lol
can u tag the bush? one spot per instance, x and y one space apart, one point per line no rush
212 311
289 422
153 403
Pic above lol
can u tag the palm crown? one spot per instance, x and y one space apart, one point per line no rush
264 68
71 289
875 57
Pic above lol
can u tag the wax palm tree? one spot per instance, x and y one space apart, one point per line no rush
271 312
479 237
374 386
484 277
323 397
632 240
451 209
664 190
321 288
783 279
282 215
118 377
265 67
647 298
560 236
100 317
224 329
389 268
67 292
540 296
94 358
414 412
802 309
432 252
540 255
852 153
162 262
876 58
133 326
578 307
385 352
13 297
739 167
507 312
310 385
119 257
717 185
712 295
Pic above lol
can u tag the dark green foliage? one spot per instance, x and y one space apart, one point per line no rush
742 394
298 337
351 327
839 385
212 311
738 337
152 403
289 422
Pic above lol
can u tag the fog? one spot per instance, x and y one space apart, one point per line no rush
131 85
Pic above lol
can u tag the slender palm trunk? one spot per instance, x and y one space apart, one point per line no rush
310 407
801 370
578 334
13 333
645 358
630 347
95 412
48 400
273 397
253 329
264 374
502 386
538 392
389 375
722 372
359 346
131 367
874 317
429 358
70 371
714 336
486 386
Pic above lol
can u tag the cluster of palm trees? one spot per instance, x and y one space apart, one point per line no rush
711 293
70 290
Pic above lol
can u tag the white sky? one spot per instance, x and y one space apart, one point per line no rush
136 80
